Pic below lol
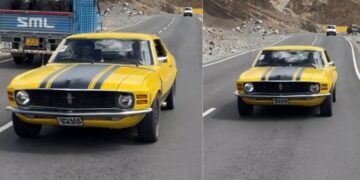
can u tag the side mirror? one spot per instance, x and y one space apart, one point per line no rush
332 64
163 59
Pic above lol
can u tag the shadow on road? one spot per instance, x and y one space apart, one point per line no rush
72 140
266 113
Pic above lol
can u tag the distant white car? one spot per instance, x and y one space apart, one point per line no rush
188 11
331 30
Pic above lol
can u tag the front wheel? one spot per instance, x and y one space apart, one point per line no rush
244 109
25 130
326 107
148 129
170 99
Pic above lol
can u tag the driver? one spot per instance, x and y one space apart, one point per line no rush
85 50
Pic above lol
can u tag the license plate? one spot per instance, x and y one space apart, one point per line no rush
70 121
280 101
32 42
6 45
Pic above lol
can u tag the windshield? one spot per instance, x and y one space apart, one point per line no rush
291 59
331 27
114 51
188 9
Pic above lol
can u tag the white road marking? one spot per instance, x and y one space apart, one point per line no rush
208 111
133 24
315 39
168 26
6 60
236 55
354 58
6 126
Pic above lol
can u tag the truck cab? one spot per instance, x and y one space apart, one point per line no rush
36 27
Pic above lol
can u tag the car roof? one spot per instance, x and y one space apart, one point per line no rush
294 48
114 35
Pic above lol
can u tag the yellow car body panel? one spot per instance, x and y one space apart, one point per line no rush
326 77
142 80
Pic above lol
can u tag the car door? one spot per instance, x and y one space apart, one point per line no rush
165 65
330 67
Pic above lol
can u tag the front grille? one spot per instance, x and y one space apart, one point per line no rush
73 99
282 88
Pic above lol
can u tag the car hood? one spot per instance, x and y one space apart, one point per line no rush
82 76
309 74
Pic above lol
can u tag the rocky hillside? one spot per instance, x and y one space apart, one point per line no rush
153 6
286 15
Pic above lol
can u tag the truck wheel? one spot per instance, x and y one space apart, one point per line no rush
170 100
18 60
244 109
326 107
148 129
23 129
29 58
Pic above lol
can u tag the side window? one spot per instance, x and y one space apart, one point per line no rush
327 57
160 50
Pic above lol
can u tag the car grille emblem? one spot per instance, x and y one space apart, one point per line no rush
69 98
280 87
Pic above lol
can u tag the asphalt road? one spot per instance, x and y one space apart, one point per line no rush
282 143
75 153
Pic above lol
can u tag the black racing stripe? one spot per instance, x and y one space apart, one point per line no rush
283 73
78 77
263 78
46 80
298 77
105 76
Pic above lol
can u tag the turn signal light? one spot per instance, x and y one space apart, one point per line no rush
324 87
141 102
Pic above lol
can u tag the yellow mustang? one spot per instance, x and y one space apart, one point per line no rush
289 75
106 80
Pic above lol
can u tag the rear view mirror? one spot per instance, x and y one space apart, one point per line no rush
332 64
163 59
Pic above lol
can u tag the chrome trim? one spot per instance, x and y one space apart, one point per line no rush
83 114
281 95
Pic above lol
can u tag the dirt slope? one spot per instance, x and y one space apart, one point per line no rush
291 15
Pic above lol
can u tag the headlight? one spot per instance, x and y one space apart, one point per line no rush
125 101
249 87
22 98
314 88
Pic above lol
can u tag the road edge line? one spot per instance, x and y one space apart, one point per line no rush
132 24
354 57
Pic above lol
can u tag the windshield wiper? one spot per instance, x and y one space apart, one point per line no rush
74 61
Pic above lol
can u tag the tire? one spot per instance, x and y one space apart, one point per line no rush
170 99
326 107
46 59
244 109
148 129
18 60
29 58
25 130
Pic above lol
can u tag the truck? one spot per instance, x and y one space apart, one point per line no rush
31 28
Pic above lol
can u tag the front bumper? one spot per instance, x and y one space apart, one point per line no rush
112 120
82 114
309 100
